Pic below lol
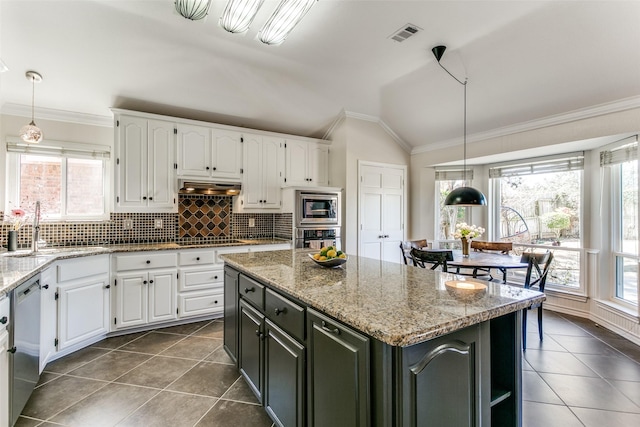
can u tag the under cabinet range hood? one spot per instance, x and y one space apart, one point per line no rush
210 188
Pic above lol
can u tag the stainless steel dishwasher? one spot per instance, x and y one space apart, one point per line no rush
24 344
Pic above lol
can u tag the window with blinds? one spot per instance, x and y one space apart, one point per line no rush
69 179
562 163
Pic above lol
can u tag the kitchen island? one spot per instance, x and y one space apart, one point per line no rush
372 342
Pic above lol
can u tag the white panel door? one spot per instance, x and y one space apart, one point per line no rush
227 154
272 171
161 190
371 199
393 213
48 316
131 299
381 212
194 150
296 167
162 295
252 177
318 165
132 162
4 377
83 311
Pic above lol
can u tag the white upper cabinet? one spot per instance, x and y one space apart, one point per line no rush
205 152
263 160
145 177
307 164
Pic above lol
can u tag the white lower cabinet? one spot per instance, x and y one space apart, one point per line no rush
144 296
4 362
4 377
83 299
48 316
200 285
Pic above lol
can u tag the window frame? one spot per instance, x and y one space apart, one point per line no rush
63 150
467 212
495 208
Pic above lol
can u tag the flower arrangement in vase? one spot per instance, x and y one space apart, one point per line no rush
17 218
466 233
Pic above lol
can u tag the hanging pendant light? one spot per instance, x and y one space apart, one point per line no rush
193 9
461 196
238 15
31 133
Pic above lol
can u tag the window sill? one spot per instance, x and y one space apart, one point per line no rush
619 309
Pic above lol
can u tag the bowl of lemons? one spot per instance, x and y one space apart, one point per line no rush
329 257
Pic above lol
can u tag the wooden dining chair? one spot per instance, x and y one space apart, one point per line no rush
482 246
407 245
437 258
538 265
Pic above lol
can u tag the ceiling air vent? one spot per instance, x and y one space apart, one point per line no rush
405 32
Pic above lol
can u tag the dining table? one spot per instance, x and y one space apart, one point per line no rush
485 261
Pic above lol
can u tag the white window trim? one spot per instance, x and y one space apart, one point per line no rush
13 175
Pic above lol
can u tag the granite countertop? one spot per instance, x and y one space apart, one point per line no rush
16 267
396 304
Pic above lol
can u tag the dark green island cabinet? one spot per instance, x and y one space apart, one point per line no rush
311 347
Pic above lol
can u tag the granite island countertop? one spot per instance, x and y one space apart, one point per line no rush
18 266
396 304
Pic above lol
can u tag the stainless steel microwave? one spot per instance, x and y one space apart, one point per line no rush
315 208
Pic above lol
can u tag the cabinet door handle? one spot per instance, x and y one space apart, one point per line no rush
197 258
215 277
150 281
277 311
247 290
144 198
380 236
328 329
45 286
257 332
215 302
148 262
207 168
150 198
144 282
12 350
107 287
214 168
4 320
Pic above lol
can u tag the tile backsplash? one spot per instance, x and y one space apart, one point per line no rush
201 219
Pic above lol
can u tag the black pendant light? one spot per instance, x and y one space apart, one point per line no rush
461 196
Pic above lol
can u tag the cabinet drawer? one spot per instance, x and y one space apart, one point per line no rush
252 291
78 268
284 313
146 261
4 312
191 280
205 256
200 303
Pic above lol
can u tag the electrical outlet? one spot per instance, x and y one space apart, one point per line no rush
252 222
127 224
157 223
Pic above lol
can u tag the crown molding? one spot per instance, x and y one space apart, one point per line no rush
365 117
558 119
58 115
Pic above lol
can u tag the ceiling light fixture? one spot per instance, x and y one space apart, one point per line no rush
461 196
32 133
193 9
284 19
238 15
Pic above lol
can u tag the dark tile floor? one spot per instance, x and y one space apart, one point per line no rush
579 375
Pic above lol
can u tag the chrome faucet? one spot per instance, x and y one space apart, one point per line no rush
36 228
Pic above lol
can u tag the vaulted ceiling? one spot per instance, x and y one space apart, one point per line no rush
525 61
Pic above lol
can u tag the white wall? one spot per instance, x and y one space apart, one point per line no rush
355 140
53 130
